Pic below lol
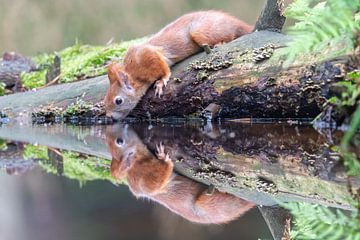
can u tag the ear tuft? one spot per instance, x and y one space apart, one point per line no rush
113 72
122 76
124 80
117 171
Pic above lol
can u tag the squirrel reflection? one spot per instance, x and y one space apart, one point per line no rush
151 176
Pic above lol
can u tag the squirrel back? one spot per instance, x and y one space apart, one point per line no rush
186 35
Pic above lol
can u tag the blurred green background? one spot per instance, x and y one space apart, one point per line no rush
40 206
35 26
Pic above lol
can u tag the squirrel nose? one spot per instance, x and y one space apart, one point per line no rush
116 116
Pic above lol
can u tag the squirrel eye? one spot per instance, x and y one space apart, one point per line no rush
118 100
119 142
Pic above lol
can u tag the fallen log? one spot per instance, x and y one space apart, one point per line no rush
234 76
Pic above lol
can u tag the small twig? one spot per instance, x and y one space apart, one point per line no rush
110 41
55 150
51 82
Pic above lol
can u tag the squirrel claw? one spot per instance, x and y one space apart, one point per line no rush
159 85
160 153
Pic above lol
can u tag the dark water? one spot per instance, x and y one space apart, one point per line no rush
221 174
41 206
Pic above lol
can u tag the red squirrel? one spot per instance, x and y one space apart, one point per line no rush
150 62
151 176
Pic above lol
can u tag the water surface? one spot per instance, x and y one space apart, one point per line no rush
69 182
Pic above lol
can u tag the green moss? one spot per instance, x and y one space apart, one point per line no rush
2 89
86 168
33 79
3 145
35 152
47 167
76 166
78 108
41 154
77 62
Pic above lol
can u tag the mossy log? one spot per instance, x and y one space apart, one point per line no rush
235 76
259 163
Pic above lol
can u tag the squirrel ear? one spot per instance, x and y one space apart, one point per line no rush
113 72
117 170
114 168
124 80
128 160
116 74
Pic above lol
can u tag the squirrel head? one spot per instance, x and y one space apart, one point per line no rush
131 159
121 97
122 144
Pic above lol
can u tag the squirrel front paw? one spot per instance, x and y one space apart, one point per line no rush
159 86
160 153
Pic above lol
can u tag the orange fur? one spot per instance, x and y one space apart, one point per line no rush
150 62
153 178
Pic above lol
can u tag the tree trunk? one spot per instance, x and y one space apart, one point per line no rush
276 218
271 17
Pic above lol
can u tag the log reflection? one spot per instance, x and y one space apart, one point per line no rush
150 174
259 163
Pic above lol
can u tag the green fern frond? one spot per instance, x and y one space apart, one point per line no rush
313 221
326 27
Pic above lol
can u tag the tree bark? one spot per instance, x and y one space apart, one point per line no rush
275 217
233 76
271 17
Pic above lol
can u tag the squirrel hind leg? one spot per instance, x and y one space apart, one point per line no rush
206 48
208 40
200 38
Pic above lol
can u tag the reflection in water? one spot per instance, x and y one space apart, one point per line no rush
152 176
11 158
205 174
